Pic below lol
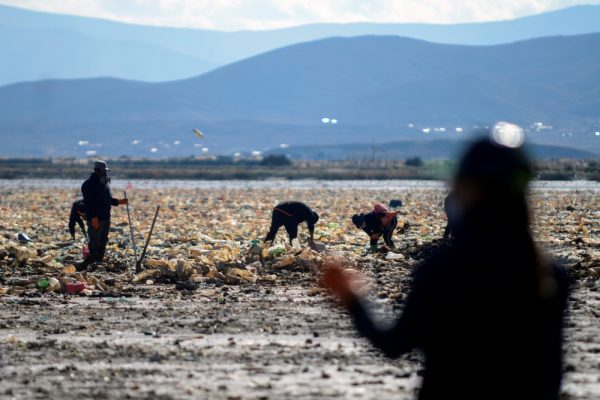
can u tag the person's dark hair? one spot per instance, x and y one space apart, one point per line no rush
496 167
357 220
501 175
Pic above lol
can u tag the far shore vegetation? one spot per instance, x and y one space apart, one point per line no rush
273 166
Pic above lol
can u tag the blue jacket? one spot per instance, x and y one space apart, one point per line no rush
97 197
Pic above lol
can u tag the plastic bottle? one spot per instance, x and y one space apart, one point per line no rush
276 251
42 284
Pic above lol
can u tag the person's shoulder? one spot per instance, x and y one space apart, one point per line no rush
300 206
370 216
89 179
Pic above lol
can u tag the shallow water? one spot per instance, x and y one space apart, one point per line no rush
277 184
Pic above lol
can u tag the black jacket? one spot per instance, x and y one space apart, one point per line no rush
295 212
97 197
75 217
477 313
373 223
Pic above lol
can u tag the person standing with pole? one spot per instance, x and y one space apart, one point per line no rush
98 202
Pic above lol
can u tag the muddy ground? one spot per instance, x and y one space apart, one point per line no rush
271 335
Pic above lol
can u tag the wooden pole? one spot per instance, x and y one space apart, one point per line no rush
138 265
131 230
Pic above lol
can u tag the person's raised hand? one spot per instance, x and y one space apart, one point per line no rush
338 282
95 223
123 201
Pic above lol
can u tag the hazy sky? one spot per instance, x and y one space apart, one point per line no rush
264 14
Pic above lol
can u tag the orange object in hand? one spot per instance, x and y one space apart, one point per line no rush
338 282
123 201
95 223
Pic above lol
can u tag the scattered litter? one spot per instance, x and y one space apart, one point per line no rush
75 287
218 242
23 238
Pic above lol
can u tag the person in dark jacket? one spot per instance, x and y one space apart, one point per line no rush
450 208
487 310
76 217
377 223
290 214
98 202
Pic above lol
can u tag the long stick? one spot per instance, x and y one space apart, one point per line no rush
131 230
138 265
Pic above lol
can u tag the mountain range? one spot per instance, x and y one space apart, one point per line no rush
388 88
37 45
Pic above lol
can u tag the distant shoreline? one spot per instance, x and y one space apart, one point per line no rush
215 170
119 185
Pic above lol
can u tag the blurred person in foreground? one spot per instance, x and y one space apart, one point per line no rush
98 202
376 223
290 214
487 310
77 216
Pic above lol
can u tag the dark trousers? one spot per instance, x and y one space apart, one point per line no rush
98 239
387 234
277 221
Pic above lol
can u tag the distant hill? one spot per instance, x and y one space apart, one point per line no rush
425 149
36 45
375 86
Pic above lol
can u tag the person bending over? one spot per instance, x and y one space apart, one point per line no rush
76 217
290 214
379 222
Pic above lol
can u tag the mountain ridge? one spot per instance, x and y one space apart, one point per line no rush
197 51
373 85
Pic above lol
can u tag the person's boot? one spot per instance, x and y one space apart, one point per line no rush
83 266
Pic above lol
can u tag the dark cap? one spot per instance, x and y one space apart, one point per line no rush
101 165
